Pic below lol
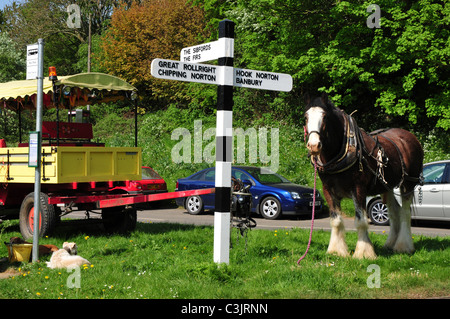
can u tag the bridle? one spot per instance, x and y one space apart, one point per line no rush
307 134
351 148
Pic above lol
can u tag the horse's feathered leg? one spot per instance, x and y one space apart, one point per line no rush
337 243
394 219
364 247
404 243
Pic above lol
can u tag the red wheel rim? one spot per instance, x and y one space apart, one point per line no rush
31 219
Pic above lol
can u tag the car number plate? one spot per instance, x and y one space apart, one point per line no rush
317 203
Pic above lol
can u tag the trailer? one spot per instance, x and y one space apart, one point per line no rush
77 174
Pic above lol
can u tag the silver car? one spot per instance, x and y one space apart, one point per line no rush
431 201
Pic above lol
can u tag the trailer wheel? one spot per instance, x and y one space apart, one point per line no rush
119 219
47 220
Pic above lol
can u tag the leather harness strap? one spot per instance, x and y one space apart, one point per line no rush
354 149
348 154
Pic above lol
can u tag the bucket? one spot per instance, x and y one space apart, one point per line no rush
19 252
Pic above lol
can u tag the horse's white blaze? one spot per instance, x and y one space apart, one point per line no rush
315 118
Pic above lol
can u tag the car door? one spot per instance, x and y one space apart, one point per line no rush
205 180
446 194
429 198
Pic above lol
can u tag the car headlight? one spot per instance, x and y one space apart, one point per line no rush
295 195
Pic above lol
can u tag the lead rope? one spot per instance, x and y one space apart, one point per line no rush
313 210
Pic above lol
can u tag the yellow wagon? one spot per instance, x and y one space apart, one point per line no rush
71 163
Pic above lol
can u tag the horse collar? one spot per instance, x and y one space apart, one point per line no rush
350 150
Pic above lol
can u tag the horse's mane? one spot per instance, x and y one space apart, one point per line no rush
320 101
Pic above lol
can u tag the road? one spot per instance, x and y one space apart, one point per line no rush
179 215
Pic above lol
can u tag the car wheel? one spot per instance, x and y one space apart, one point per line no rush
378 213
194 205
270 208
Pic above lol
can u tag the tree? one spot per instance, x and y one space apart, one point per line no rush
47 19
397 74
2 19
12 62
153 29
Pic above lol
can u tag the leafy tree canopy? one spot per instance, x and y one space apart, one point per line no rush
47 19
12 62
400 69
153 29
394 75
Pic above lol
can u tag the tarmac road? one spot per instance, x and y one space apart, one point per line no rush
179 215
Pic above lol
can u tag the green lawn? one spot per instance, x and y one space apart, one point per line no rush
172 261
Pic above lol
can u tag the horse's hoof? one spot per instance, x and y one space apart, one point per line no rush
341 253
366 255
403 249
364 249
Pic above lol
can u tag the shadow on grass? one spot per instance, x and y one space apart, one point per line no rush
71 228
68 229
421 243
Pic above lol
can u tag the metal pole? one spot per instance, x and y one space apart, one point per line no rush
20 122
89 46
135 123
56 103
37 175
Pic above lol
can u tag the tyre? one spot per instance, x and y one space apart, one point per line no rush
47 220
194 205
119 219
270 208
378 213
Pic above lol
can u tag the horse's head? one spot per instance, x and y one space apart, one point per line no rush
316 113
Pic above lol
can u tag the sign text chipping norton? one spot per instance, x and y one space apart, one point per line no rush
181 71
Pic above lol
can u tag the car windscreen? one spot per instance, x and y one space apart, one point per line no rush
266 176
148 173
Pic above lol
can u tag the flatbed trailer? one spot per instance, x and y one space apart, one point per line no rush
76 173
118 210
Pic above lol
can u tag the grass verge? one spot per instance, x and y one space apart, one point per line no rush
174 261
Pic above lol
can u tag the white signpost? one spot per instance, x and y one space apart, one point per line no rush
224 47
220 75
263 80
226 77
190 72
32 61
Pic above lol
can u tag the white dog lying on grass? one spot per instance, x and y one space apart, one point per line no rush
66 257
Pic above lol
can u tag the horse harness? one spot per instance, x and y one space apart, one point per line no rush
349 152
354 150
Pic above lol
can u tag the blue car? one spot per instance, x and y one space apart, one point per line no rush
272 194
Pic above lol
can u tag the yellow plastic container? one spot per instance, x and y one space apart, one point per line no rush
19 252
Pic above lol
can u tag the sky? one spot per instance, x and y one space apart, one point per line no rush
3 3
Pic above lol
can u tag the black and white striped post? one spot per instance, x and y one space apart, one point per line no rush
224 142
226 77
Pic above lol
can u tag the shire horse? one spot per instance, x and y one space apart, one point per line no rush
354 164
